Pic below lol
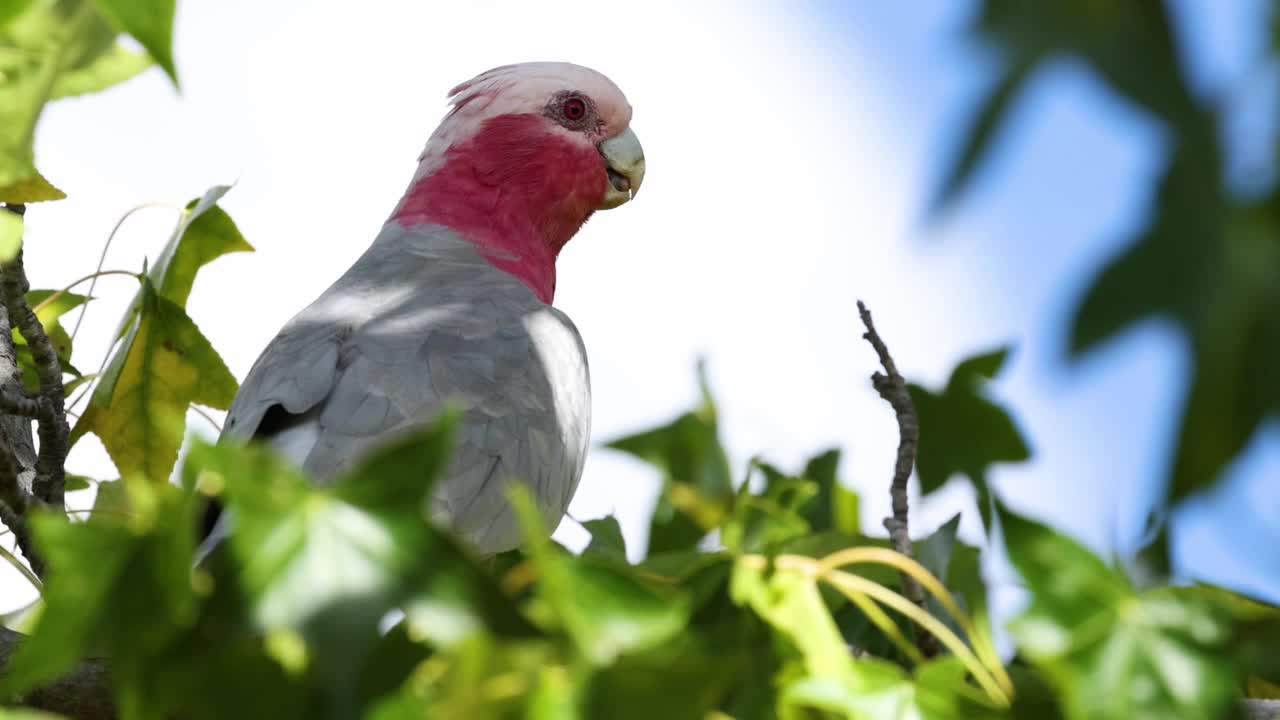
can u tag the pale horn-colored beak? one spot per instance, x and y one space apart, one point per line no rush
624 163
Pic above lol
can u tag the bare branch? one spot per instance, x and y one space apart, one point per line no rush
83 693
893 389
50 476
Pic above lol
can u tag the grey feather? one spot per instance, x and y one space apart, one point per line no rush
420 318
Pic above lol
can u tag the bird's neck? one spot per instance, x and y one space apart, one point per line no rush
516 190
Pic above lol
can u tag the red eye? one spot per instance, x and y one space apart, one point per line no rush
574 109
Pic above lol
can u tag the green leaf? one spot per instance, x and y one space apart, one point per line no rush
112 67
962 431
992 112
73 482
528 673
761 522
1108 651
9 9
605 610
51 49
26 714
724 664
1220 282
150 22
830 679
162 366
606 539
319 567
697 488
117 586
48 313
204 234
834 507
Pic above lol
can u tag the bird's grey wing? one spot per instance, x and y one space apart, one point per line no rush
291 377
396 371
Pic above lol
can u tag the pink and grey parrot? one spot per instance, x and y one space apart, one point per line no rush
452 301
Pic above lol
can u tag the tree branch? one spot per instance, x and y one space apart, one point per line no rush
49 483
893 389
84 693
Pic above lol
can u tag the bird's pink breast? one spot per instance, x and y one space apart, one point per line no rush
519 189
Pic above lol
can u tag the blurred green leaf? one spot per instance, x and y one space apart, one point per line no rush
51 50
162 366
834 507
120 586
115 65
962 431
320 567
605 611
700 670
1210 266
1217 275
9 9
150 22
762 521
73 482
697 488
992 113
606 539
484 680
26 714
1108 651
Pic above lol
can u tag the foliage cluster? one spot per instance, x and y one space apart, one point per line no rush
755 599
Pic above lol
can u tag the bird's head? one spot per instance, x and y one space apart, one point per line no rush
522 159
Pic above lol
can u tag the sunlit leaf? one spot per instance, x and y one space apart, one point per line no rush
150 22
1111 652
204 234
605 611
697 488
112 67
162 366
52 49
762 521
119 586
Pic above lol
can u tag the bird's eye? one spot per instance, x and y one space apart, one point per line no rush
574 109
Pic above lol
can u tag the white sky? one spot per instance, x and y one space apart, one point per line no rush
778 192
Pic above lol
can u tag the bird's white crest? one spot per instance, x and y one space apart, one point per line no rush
520 88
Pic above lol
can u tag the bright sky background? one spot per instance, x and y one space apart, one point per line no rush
790 151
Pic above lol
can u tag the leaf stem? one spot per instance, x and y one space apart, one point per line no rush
103 257
21 567
91 276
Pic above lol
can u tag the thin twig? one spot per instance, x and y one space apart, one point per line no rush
16 564
893 388
209 418
91 276
75 330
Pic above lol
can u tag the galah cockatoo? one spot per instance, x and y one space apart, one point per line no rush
452 301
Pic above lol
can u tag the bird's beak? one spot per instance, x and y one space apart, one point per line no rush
624 163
